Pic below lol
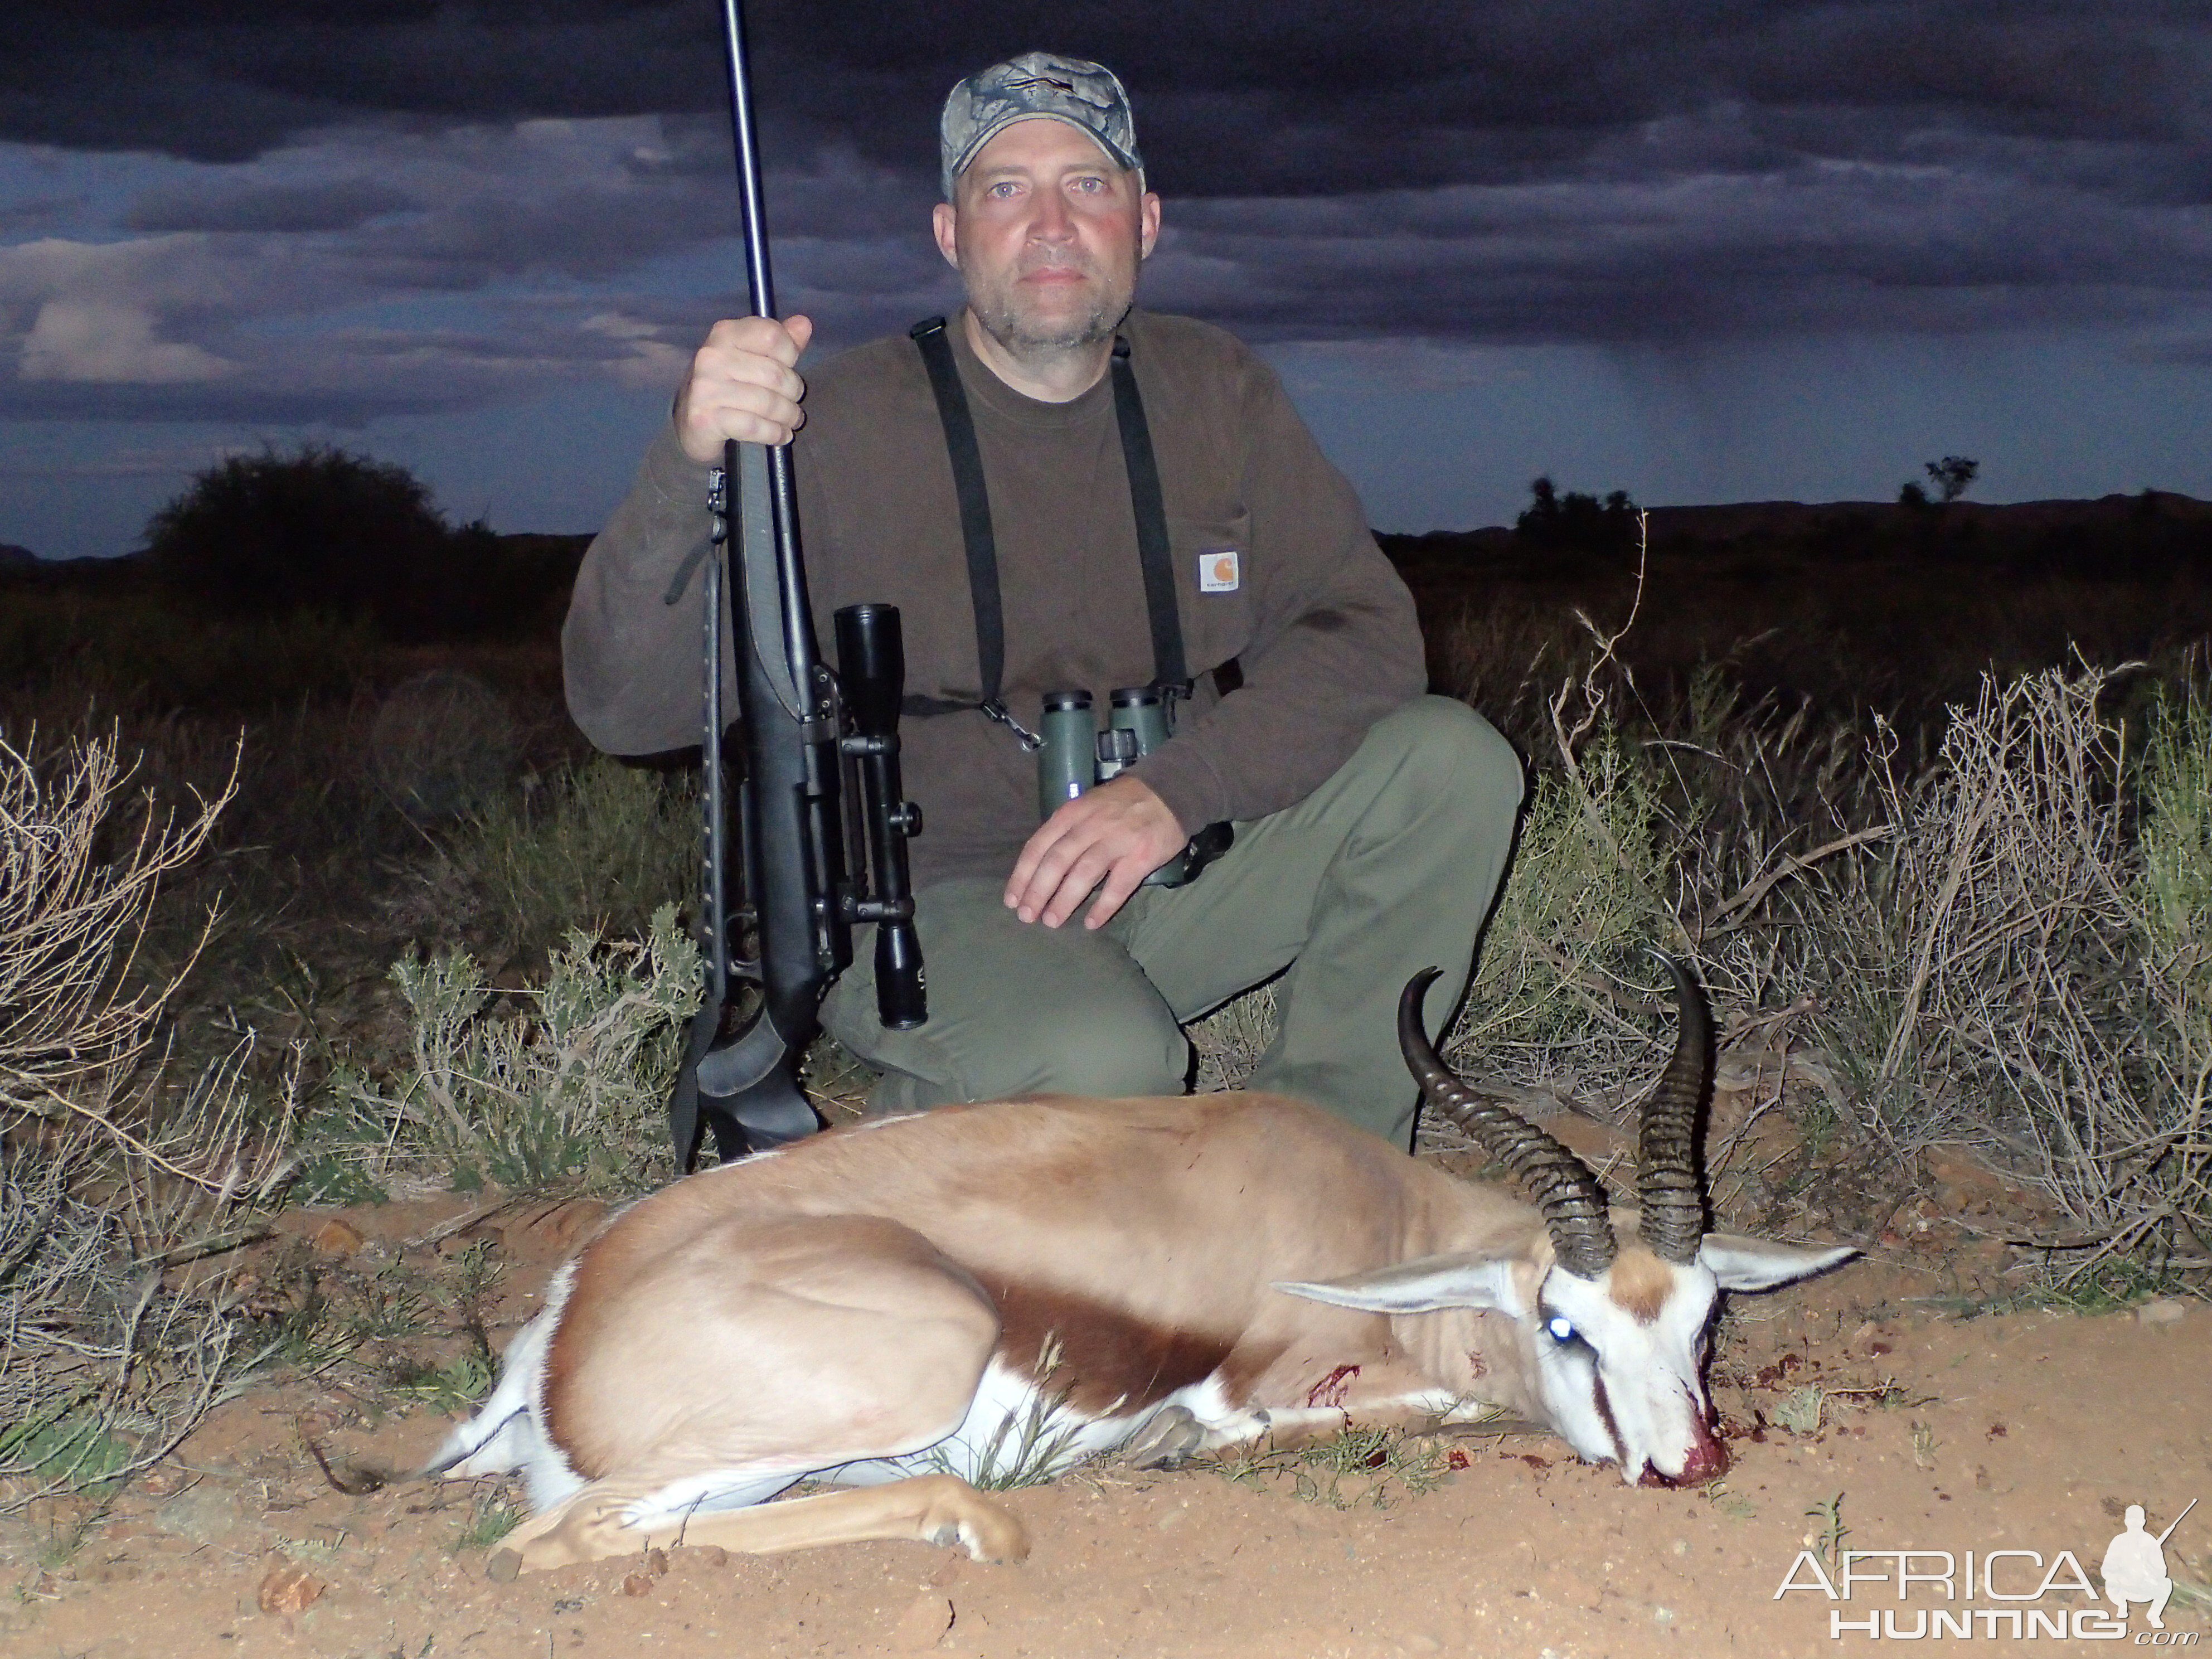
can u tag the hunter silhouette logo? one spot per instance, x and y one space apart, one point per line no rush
1218 571
2135 1567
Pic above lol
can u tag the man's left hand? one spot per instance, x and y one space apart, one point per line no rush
1120 832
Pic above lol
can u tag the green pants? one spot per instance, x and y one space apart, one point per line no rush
1388 867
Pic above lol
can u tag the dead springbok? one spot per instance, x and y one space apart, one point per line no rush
888 1309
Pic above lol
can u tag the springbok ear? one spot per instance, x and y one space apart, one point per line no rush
1423 1286
1759 1264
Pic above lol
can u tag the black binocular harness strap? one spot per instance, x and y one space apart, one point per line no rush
1171 677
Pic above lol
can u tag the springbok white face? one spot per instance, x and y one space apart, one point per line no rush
1613 1317
1618 1359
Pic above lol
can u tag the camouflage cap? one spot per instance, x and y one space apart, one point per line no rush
1087 97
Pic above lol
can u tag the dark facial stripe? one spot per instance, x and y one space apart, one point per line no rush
1605 1415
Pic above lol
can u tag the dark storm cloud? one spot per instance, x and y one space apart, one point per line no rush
1616 170
225 82
1805 245
430 271
337 205
1245 96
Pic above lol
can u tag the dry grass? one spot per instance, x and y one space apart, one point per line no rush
1997 945
1231 1039
1980 926
561 1085
76 891
2031 971
597 844
116 1171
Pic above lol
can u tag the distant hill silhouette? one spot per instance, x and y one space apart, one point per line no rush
1832 607
1796 518
1790 518
2112 533
512 584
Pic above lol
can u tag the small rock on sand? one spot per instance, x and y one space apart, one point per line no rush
288 1588
202 1513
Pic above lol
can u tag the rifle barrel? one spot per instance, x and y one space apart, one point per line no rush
798 617
2178 1520
739 62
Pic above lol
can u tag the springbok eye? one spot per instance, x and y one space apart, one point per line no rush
1561 1328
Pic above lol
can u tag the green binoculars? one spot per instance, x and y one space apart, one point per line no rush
1076 754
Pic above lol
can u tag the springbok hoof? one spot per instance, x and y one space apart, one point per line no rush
1164 1443
504 1567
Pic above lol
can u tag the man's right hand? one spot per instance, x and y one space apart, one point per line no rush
743 385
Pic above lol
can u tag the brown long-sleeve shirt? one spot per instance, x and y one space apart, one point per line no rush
1322 629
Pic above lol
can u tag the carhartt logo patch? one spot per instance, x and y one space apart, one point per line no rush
1217 570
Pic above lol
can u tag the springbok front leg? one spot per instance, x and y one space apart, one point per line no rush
929 1508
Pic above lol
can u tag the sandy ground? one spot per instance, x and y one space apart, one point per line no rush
2021 1433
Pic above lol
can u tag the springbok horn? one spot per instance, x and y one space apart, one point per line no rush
1668 1182
1572 1202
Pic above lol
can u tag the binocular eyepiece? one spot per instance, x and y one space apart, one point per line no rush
1076 754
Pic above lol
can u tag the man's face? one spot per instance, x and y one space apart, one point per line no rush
1047 232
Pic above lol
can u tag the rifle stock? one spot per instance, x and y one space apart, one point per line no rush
801 736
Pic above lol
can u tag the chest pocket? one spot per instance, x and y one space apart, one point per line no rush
1214 580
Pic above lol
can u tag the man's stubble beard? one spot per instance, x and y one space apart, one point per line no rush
1028 340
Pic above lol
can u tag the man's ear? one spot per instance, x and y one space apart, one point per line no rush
945 222
1148 224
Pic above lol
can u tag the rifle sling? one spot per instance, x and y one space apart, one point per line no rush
1171 677
1151 515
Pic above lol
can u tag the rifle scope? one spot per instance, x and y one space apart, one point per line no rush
871 672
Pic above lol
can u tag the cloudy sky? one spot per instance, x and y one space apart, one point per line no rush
1701 250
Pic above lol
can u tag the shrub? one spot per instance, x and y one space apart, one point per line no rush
1577 523
276 535
598 845
270 534
113 1173
1589 886
72 1026
2021 968
2171 1165
563 1085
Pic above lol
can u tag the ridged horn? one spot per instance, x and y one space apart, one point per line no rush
1572 1202
1668 1184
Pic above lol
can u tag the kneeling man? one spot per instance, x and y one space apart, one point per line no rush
1153 513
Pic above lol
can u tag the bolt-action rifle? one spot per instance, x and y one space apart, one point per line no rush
823 820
